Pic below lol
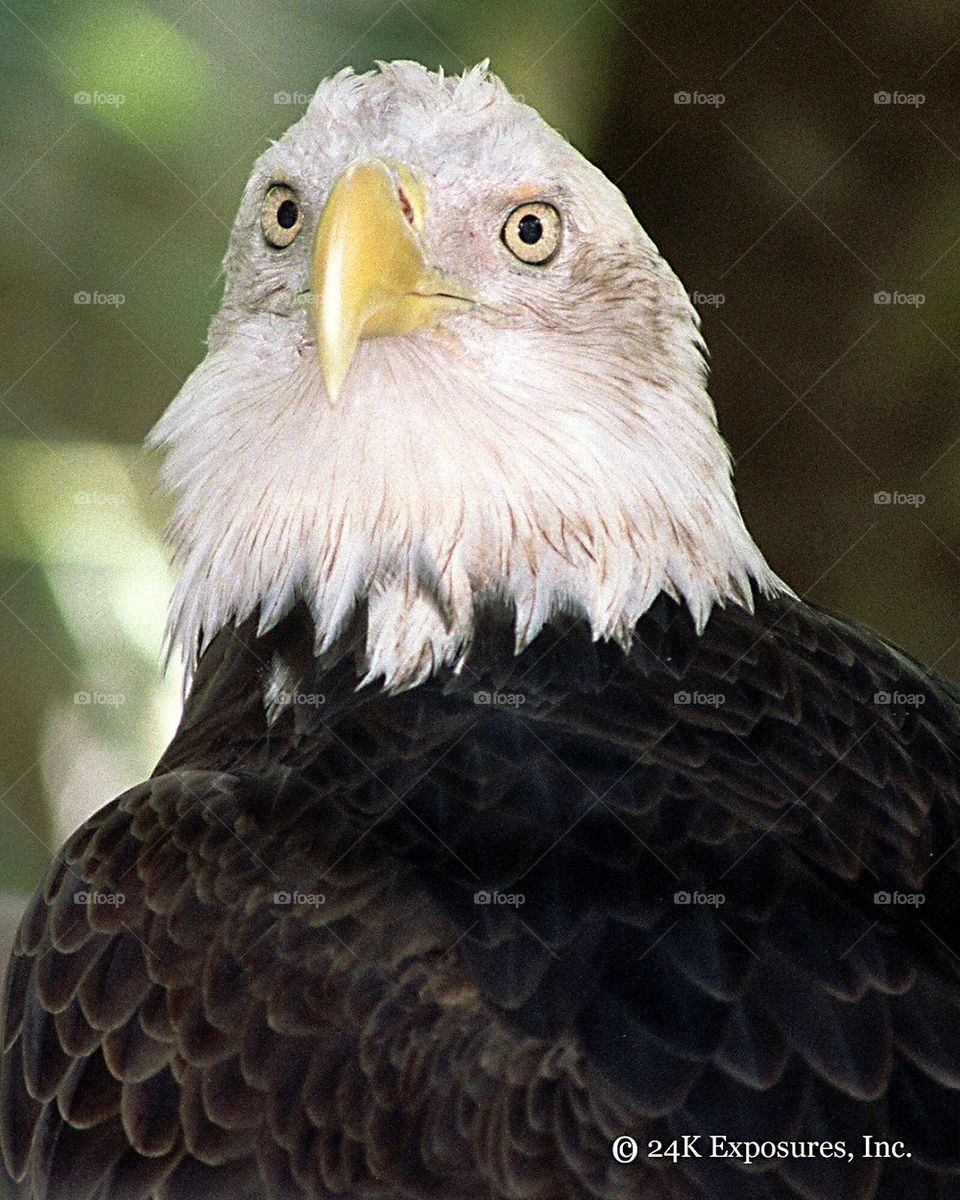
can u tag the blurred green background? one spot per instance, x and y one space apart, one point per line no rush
756 145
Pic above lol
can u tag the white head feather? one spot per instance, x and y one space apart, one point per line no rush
566 459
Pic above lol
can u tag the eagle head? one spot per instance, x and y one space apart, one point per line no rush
450 369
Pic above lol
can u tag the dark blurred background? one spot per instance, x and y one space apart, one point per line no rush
797 163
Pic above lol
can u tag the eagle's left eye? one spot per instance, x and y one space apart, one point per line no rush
281 216
532 233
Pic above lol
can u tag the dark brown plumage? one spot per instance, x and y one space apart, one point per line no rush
208 1038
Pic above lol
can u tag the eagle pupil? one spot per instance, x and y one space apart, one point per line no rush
287 214
530 229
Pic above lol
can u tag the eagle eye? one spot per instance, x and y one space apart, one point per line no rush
281 216
532 233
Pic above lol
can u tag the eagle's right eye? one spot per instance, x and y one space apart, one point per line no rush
281 216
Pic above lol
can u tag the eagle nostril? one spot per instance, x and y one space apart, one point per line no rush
405 205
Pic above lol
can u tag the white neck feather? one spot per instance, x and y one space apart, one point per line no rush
459 465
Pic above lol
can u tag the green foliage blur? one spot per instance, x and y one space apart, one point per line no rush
750 140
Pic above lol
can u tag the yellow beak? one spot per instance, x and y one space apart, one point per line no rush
369 277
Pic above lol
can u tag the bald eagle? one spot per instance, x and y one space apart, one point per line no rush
524 836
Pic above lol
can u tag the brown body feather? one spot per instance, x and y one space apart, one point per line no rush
295 993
